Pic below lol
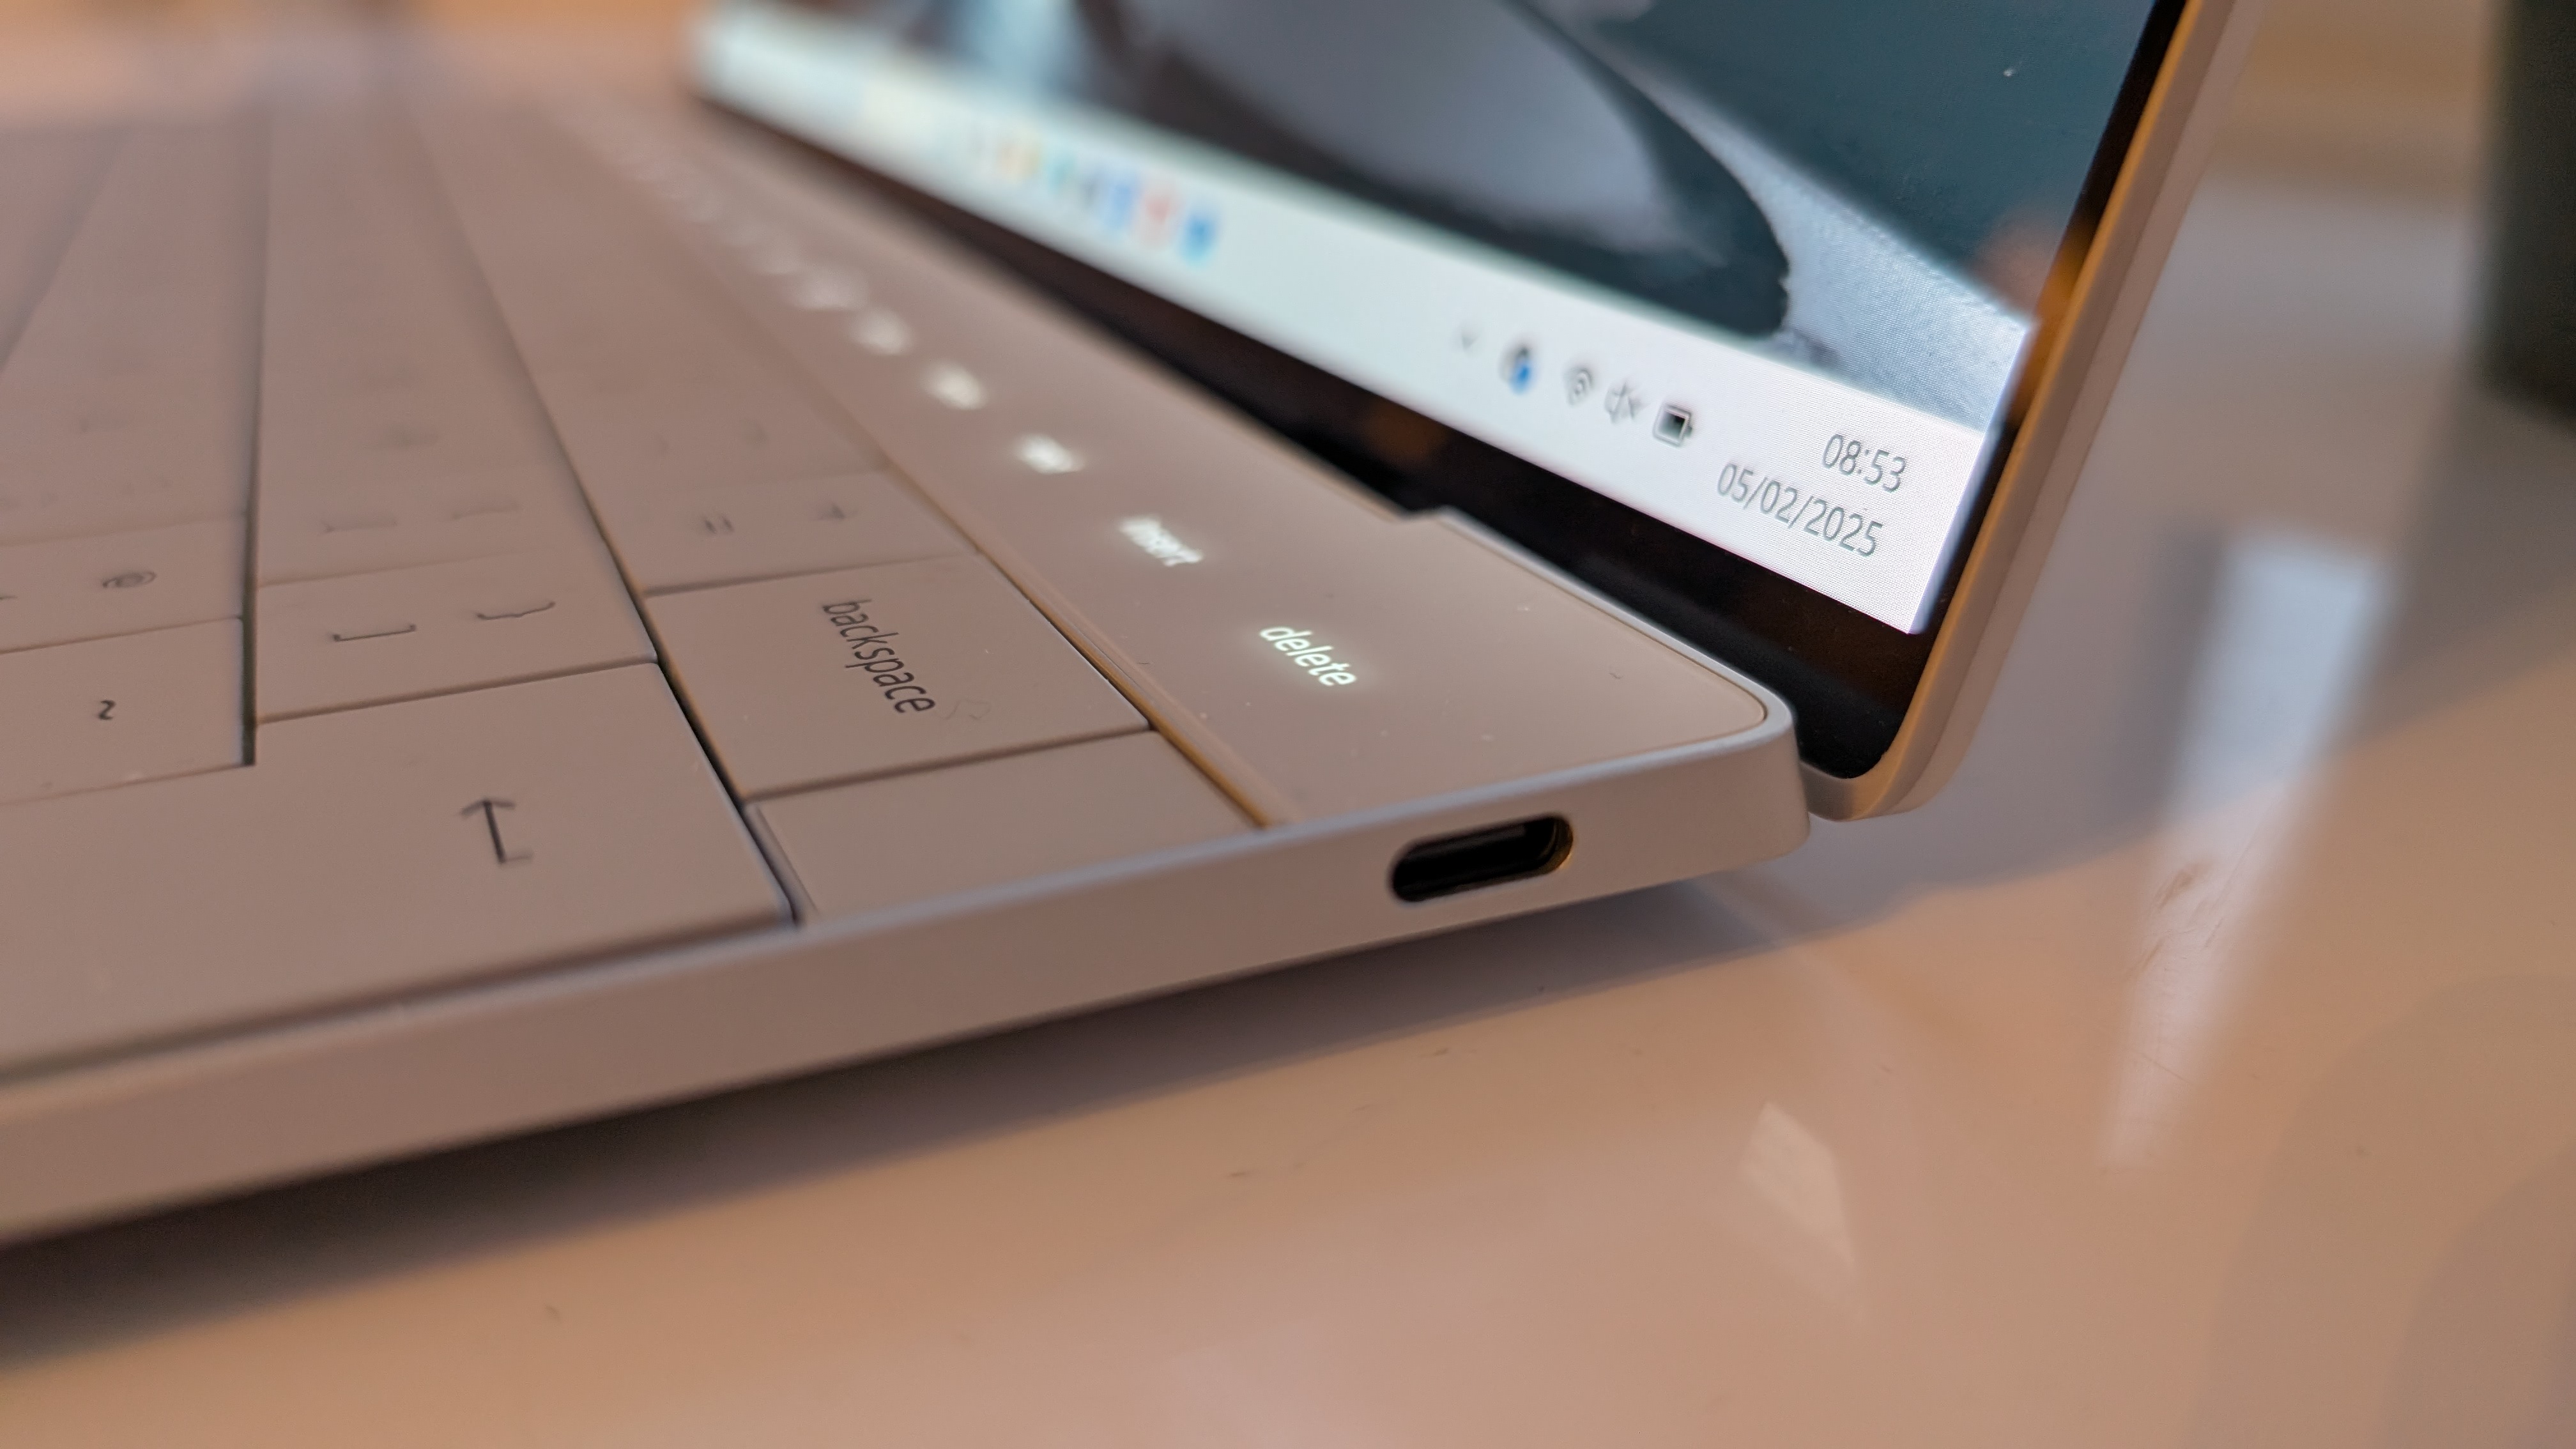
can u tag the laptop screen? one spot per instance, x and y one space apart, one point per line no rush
1762 271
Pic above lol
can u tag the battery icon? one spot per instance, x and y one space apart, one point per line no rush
1673 425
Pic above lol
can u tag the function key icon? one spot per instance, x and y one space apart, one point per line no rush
1673 425
1042 454
1520 368
822 289
882 333
954 386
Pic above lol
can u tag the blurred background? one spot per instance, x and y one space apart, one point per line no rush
2379 91
2373 92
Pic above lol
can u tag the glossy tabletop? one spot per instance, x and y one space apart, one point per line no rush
2200 1069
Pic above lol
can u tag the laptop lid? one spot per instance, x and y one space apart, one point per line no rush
1783 324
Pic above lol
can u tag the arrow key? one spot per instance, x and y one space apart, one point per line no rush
401 848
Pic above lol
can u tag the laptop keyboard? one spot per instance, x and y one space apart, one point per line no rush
579 605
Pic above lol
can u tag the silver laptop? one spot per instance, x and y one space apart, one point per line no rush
518 602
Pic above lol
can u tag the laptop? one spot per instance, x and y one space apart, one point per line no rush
521 601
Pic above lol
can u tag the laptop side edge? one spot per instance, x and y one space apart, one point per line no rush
2067 393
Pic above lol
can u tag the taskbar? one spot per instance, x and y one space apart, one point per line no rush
1841 490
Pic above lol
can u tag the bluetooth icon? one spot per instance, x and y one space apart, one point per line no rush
1624 403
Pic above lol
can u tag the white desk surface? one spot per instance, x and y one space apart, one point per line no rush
2200 1070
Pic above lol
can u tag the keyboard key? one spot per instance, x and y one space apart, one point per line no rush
114 711
885 842
382 362
127 402
769 530
316 533
653 384
367 854
373 638
673 437
841 676
44 176
119 583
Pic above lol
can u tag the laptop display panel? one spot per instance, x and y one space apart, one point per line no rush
1724 308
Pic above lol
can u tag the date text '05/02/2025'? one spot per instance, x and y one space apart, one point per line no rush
1316 659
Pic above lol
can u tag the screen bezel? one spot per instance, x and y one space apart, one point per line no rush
1851 681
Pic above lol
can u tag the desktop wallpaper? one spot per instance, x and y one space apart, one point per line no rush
1873 188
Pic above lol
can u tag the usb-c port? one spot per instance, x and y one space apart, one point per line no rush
1432 868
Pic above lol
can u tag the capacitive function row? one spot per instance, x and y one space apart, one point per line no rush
1311 651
